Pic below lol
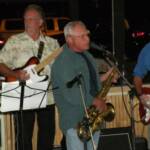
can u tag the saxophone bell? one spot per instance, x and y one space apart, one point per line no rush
111 113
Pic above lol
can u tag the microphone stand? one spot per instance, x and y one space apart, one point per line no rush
132 93
86 113
47 90
22 84
20 117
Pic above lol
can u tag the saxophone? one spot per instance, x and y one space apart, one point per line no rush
95 118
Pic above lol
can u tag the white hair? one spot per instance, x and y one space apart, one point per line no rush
68 29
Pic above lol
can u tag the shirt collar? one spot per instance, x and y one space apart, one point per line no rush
41 37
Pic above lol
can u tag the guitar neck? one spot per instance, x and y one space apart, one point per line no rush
48 59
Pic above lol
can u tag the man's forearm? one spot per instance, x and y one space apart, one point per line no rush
6 71
138 82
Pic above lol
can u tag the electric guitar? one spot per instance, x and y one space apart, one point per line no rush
144 111
33 67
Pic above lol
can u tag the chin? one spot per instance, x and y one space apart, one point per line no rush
87 47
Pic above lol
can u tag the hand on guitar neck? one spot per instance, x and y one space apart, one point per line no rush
145 100
144 105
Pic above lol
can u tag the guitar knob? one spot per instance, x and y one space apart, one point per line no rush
147 103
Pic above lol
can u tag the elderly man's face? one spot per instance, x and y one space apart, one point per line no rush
79 39
32 20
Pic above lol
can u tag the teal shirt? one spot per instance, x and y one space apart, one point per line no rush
68 100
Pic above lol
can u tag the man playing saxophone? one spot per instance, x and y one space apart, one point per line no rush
73 64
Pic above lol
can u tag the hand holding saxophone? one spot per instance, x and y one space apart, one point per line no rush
104 76
100 104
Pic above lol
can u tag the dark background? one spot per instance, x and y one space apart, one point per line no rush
99 16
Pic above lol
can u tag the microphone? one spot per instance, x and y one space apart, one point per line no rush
100 48
69 84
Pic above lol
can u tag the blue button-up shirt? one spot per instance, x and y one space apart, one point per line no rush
143 64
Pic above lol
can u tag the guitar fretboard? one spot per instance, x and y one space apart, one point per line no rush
48 59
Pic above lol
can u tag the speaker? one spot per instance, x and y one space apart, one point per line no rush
115 138
141 143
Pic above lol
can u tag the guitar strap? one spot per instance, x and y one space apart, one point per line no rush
40 50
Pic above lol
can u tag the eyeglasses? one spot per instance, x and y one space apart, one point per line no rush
32 18
82 35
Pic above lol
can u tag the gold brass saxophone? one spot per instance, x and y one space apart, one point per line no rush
95 117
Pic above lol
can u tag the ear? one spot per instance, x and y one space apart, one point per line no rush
41 22
69 39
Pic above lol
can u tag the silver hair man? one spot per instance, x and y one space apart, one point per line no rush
68 29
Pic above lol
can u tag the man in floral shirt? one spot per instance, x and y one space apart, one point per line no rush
17 51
